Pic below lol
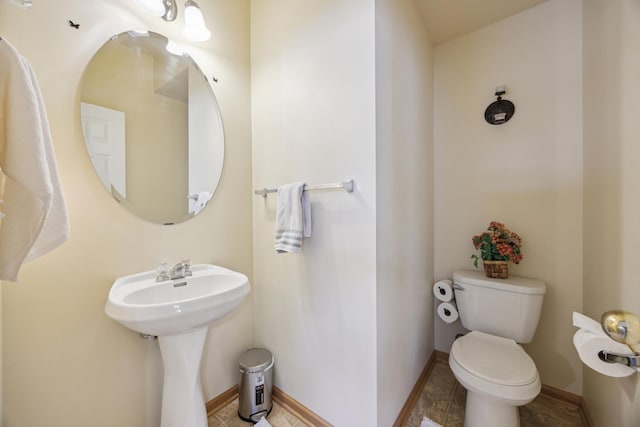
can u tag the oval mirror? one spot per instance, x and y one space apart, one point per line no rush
152 127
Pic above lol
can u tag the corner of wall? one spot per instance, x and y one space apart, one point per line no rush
404 203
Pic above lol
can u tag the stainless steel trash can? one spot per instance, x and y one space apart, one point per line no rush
256 384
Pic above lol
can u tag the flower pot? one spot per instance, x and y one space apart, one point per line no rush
496 269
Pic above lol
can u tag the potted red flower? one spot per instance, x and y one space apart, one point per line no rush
498 245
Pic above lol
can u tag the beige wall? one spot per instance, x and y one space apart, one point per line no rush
326 108
333 87
404 208
1 362
313 105
612 189
65 362
526 173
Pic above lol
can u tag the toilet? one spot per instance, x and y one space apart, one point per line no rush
488 361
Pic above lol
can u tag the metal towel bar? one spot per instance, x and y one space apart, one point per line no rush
346 185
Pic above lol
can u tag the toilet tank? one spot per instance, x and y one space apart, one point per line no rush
508 308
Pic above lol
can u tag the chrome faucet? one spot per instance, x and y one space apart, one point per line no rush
178 271
162 272
181 270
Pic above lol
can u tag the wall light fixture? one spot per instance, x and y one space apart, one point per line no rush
194 26
501 110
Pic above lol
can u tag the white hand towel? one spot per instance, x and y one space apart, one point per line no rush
35 219
293 218
262 423
428 422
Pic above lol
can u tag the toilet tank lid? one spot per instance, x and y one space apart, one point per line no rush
521 285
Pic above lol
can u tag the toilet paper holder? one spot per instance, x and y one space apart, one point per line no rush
623 327
610 357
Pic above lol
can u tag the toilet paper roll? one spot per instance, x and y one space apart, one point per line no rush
443 290
448 312
588 345
583 322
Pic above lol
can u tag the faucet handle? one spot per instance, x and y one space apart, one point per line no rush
162 271
187 267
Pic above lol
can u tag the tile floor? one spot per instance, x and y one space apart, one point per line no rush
228 417
442 400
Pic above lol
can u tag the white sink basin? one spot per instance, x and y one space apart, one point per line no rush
179 312
176 306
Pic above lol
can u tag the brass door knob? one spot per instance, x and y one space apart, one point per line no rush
623 327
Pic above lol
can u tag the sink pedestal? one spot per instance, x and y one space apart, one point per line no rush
179 312
182 400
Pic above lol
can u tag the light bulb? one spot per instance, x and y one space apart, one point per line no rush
154 7
194 27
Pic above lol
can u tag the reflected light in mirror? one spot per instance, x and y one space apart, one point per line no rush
139 33
175 49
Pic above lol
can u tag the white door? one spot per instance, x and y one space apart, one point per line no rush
103 131
206 142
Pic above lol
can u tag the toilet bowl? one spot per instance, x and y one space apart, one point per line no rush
489 361
499 376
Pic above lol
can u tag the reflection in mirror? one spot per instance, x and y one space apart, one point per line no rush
152 127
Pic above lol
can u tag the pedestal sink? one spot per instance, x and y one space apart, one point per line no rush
178 312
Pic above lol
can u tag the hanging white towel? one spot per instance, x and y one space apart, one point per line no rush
293 218
35 219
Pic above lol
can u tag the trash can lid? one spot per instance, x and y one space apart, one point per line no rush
256 359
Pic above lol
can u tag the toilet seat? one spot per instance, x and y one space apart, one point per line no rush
494 366
496 359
